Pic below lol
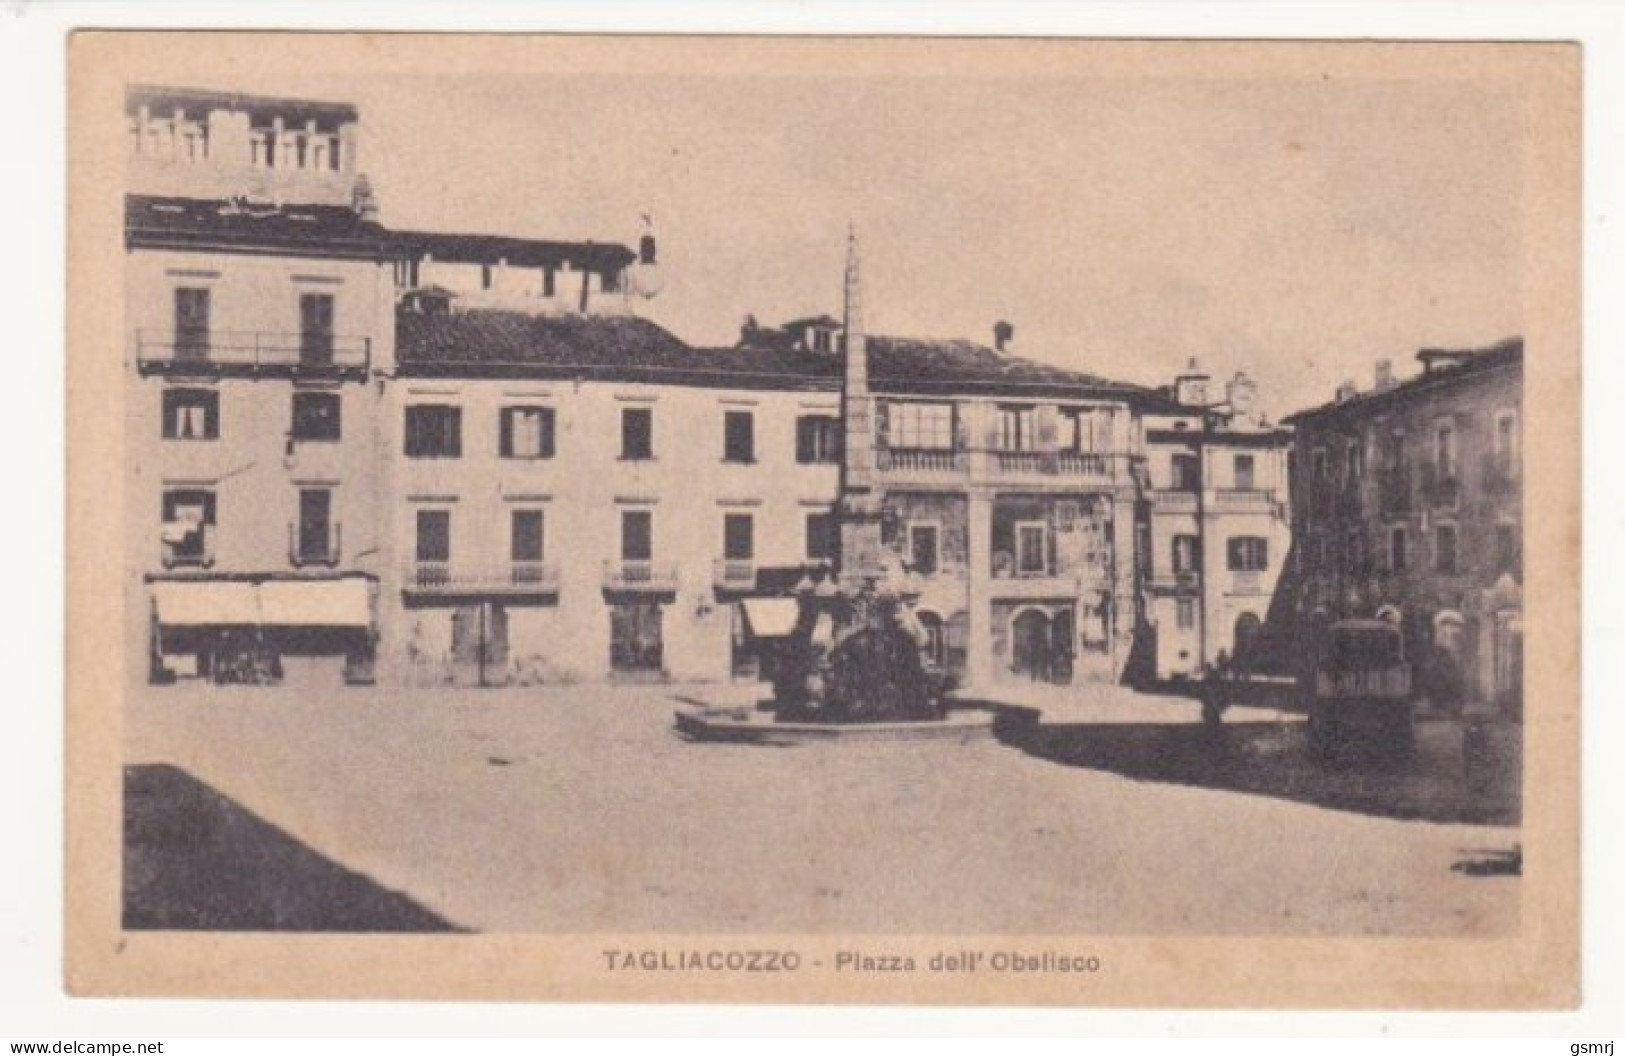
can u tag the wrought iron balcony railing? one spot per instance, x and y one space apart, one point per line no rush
732 574
315 548
251 351
444 578
647 577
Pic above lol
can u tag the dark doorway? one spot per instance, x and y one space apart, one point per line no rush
1031 648
479 644
1061 638
635 643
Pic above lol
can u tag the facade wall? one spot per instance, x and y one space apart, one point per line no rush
582 491
1197 602
1367 472
240 450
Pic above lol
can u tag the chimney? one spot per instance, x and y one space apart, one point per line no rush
1191 387
1003 332
1241 393
1385 375
363 201
1347 390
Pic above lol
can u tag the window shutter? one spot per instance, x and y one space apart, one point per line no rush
546 428
804 440
505 432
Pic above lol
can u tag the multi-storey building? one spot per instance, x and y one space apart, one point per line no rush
258 305
1218 520
1408 505
449 458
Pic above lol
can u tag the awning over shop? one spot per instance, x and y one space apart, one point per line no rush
317 603
275 603
206 604
771 617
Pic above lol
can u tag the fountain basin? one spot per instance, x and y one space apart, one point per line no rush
702 721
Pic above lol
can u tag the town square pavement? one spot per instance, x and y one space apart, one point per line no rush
579 808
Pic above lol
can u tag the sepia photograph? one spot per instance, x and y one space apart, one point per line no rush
837 519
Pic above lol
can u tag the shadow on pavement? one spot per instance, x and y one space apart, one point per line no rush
194 860
1273 759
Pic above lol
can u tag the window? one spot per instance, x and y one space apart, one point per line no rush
434 536
316 329
316 542
1354 462
1244 472
1248 553
1032 548
738 436
1187 472
637 433
1319 469
922 426
1354 551
1086 431
637 535
188 517
1015 429
191 414
434 431
191 322
612 281
1398 546
1444 450
485 276
550 282
922 548
1185 613
738 537
1508 548
1506 442
1187 554
316 416
527 537
1444 549
823 536
526 432
818 439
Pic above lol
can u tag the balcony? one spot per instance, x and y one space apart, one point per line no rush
907 461
1247 583
315 547
1441 490
1245 500
1394 492
1176 583
1040 468
1173 500
1502 475
640 577
513 579
735 575
1059 585
186 546
251 353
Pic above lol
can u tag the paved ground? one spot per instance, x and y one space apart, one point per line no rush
579 808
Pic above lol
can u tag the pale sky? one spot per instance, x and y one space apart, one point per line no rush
1297 230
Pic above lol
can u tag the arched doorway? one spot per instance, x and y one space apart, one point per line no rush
1244 651
1031 647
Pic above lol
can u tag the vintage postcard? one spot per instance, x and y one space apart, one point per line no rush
792 519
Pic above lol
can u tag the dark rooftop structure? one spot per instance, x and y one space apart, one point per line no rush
1441 367
496 343
300 230
163 101
520 252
